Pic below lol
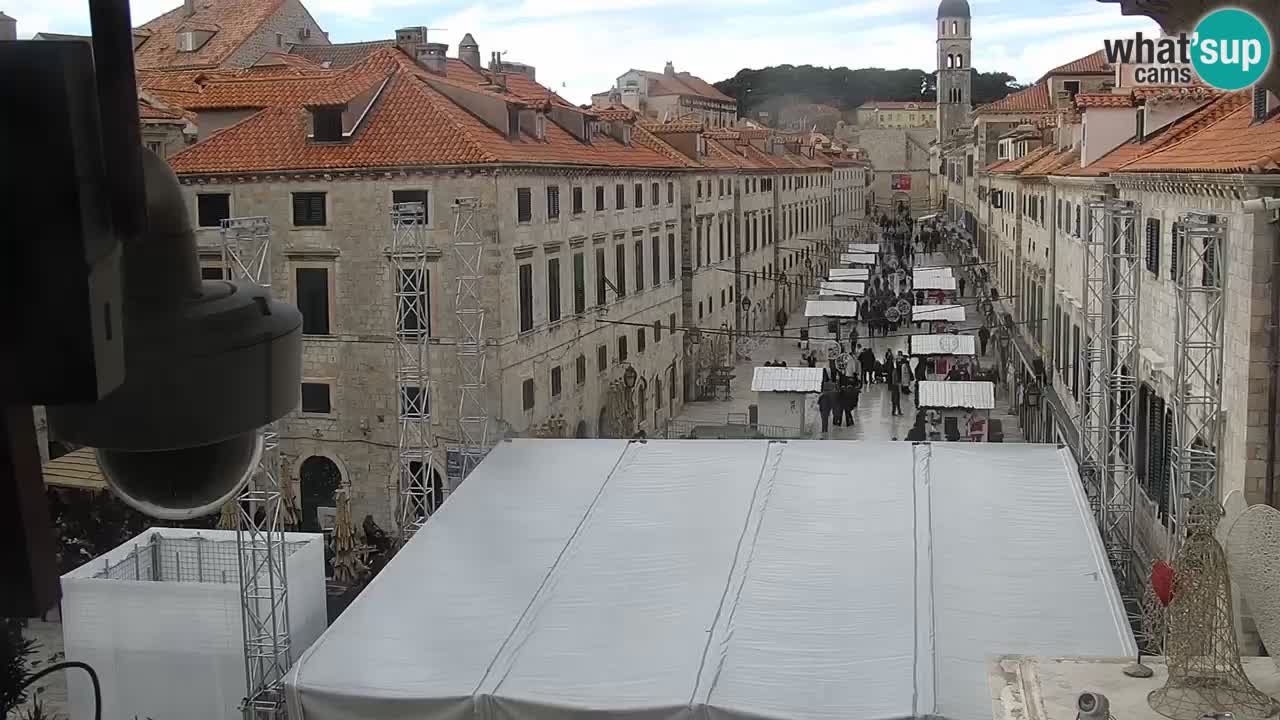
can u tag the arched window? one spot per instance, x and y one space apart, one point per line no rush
954 25
643 392
949 60
320 478
942 27
960 60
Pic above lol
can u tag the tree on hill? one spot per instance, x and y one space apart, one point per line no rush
775 89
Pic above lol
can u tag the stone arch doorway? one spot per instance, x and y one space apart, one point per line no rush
429 502
319 477
603 428
582 431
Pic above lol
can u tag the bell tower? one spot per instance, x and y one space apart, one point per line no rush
955 74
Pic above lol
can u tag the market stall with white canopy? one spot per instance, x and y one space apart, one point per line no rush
847 274
941 317
940 353
863 248
858 258
838 287
837 316
963 407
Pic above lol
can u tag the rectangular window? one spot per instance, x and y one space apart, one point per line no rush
620 197
654 196
577 200
601 285
1077 221
671 193
639 195
555 381
657 330
620 269
602 358
580 370
212 209
553 289
699 189
579 284
399 197
524 205
553 202
599 198
1209 264
1176 241
527 394
413 303
671 256
312 285
655 249
640 338
671 322
211 272
315 398
525 286
622 349
697 262
309 209
639 265
415 401
1153 246
1075 360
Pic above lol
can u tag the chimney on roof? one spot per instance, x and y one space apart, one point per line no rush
188 8
469 52
409 39
432 57
8 27
496 75
669 70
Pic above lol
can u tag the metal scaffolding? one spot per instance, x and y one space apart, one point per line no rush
1111 358
1200 277
418 479
473 411
264 607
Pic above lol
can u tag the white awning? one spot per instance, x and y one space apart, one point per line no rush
942 345
846 274
931 313
956 394
932 270
787 379
933 282
829 287
858 258
863 248
727 579
831 308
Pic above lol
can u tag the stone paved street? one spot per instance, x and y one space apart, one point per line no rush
873 419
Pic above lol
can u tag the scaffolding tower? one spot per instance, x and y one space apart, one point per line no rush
416 465
1110 358
1199 276
264 608
473 411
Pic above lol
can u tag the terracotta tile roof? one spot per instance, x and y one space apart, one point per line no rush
1224 139
1031 99
1180 92
679 126
1104 100
610 114
339 55
1092 64
1016 166
411 124
1107 164
232 21
682 83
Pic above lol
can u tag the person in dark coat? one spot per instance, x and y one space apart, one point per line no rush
960 283
867 359
895 396
984 335
826 403
849 401
917 432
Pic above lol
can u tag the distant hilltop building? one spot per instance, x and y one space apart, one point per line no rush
895 114
670 95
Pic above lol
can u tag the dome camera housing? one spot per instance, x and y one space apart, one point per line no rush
1093 706
207 365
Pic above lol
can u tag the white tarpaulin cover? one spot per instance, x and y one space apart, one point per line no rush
863 247
830 308
932 313
848 274
841 287
976 395
943 270
787 379
933 282
723 579
942 345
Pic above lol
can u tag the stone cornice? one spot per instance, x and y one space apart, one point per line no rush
1233 187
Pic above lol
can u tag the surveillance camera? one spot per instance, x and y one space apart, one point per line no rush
207 365
1093 706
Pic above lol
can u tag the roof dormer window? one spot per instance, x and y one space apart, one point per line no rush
191 39
326 124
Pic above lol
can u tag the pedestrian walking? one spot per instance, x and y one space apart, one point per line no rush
867 359
960 282
826 403
848 402
895 396
984 335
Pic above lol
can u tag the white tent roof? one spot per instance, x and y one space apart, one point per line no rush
859 258
976 395
931 313
830 308
849 273
942 345
863 248
731 579
933 282
787 379
840 287
943 270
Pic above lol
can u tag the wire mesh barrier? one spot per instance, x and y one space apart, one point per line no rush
694 430
185 559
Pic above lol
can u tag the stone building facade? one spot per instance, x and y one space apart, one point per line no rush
670 96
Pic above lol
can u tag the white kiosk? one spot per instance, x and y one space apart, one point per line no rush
787 396
963 408
835 312
940 352
940 317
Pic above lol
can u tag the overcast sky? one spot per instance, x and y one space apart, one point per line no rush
581 46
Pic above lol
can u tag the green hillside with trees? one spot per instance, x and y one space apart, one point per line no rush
773 89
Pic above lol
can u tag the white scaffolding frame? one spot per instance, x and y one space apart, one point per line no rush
1200 277
264 607
416 466
471 344
1093 359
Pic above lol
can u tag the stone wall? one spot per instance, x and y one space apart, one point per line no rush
288 21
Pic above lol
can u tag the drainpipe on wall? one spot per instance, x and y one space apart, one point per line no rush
1256 207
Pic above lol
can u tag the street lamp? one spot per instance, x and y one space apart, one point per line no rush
1032 394
630 377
